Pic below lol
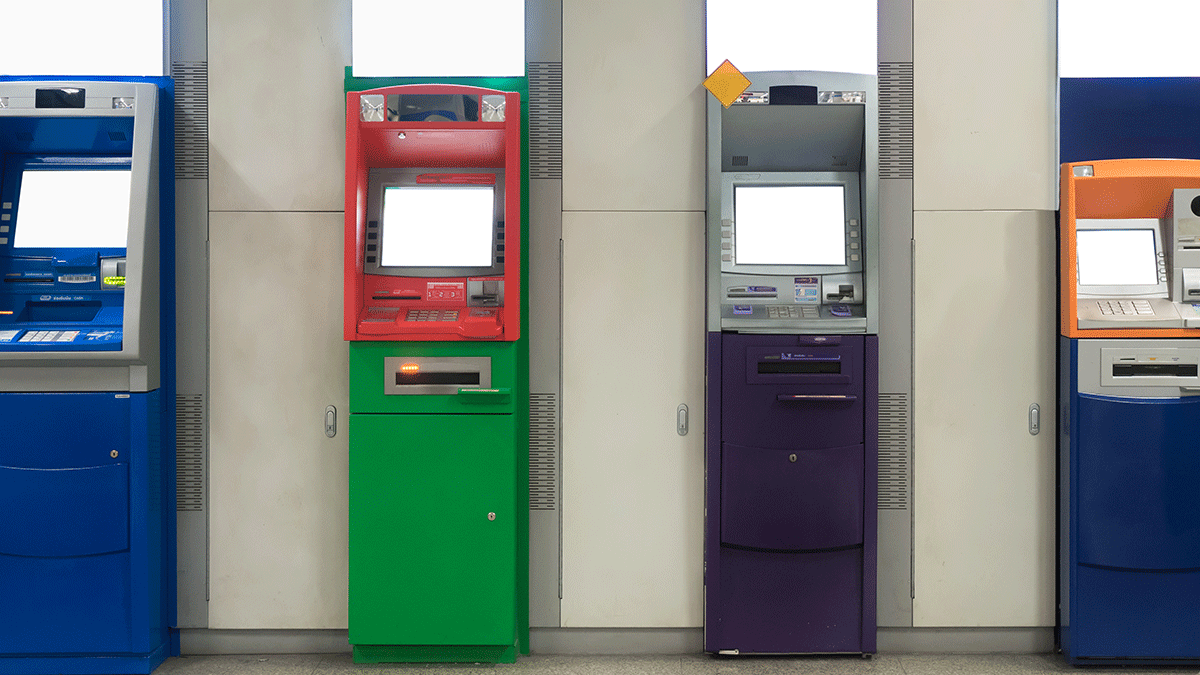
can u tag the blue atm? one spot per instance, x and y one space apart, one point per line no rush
87 581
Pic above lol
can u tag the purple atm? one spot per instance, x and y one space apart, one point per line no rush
792 367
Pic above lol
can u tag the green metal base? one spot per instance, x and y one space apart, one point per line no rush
435 654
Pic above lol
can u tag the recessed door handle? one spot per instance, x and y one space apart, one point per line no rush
817 398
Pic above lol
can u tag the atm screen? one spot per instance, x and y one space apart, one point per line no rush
1116 257
789 225
72 209
437 226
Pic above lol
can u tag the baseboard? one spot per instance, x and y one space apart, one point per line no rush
195 641
616 640
568 641
1037 640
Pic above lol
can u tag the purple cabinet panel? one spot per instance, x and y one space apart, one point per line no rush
792 446
807 405
788 500
776 603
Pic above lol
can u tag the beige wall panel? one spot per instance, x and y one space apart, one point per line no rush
984 105
276 107
984 316
633 105
277 487
633 489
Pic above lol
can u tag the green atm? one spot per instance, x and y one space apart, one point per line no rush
439 403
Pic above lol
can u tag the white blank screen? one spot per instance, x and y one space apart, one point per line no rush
444 226
789 225
1116 257
73 209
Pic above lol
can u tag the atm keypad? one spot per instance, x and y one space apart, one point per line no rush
432 315
49 336
1125 307
793 312
8 335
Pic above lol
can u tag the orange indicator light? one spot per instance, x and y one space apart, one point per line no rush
410 369
6 311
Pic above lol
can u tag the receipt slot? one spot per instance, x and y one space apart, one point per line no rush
438 375
792 352
86 376
1129 353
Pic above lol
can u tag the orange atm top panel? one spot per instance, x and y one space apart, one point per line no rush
1115 189
433 214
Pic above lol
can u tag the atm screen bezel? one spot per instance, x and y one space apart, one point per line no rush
379 179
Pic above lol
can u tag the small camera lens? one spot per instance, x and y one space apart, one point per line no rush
1196 206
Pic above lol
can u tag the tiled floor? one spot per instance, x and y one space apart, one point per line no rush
882 664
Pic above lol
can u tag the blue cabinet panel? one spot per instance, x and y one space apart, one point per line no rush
64 512
1138 472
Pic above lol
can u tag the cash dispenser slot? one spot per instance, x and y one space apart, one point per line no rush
446 376
1154 370
60 312
814 366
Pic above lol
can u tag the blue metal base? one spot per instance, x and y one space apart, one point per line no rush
85 584
74 664
1129 547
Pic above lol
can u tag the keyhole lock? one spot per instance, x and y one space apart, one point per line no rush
492 516
113 454
792 457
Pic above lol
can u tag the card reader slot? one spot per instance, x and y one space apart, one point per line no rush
1154 370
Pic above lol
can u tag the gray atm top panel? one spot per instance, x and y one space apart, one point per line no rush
135 367
826 137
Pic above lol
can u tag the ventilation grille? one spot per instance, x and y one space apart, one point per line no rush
189 452
545 120
893 452
896 120
191 118
543 452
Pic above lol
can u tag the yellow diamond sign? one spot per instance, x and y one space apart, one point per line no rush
726 83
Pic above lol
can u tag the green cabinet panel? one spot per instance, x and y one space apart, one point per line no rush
433 530
368 375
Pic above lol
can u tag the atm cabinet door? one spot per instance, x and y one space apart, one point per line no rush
432 530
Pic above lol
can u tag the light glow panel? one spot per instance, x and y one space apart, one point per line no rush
837 35
1116 257
442 226
83 37
73 209
466 38
1116 38
789 225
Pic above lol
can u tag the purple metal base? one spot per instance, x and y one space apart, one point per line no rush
790 537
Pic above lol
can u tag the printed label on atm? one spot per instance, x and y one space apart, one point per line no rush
743 309
808 290
445 291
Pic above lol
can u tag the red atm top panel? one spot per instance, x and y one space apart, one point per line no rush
433 214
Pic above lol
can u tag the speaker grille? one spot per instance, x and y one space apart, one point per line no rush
189 452
191 118
896 120
893 452
545 120
543 452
